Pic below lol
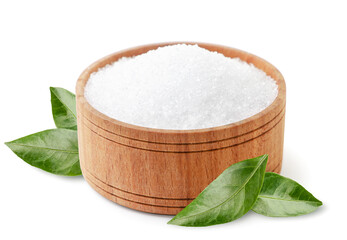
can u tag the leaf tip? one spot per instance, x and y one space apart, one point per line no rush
9 144
53 90
172 221
263 158
175 221
266 156
320 203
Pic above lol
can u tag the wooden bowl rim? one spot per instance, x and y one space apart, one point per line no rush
278 104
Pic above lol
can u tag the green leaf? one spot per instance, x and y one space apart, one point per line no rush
283 197
228 197
63 108
55 151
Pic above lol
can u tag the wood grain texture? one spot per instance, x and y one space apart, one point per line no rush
161 171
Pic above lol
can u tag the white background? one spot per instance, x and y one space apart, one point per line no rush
46 44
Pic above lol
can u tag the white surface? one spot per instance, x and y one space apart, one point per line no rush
180 87
44 44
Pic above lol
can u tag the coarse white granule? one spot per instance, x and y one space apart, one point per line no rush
180 87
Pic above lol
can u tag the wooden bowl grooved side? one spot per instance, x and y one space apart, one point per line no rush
142 203
91 125
146 200
101 182
103 185
167 210
184 148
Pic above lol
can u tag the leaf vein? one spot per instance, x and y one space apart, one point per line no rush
288 200
40 147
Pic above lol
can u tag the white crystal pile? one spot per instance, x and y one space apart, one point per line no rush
180 87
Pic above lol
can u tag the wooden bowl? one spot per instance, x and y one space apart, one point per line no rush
162 171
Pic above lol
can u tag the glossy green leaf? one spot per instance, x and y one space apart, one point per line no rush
55 151
228 197
283 197
63 108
